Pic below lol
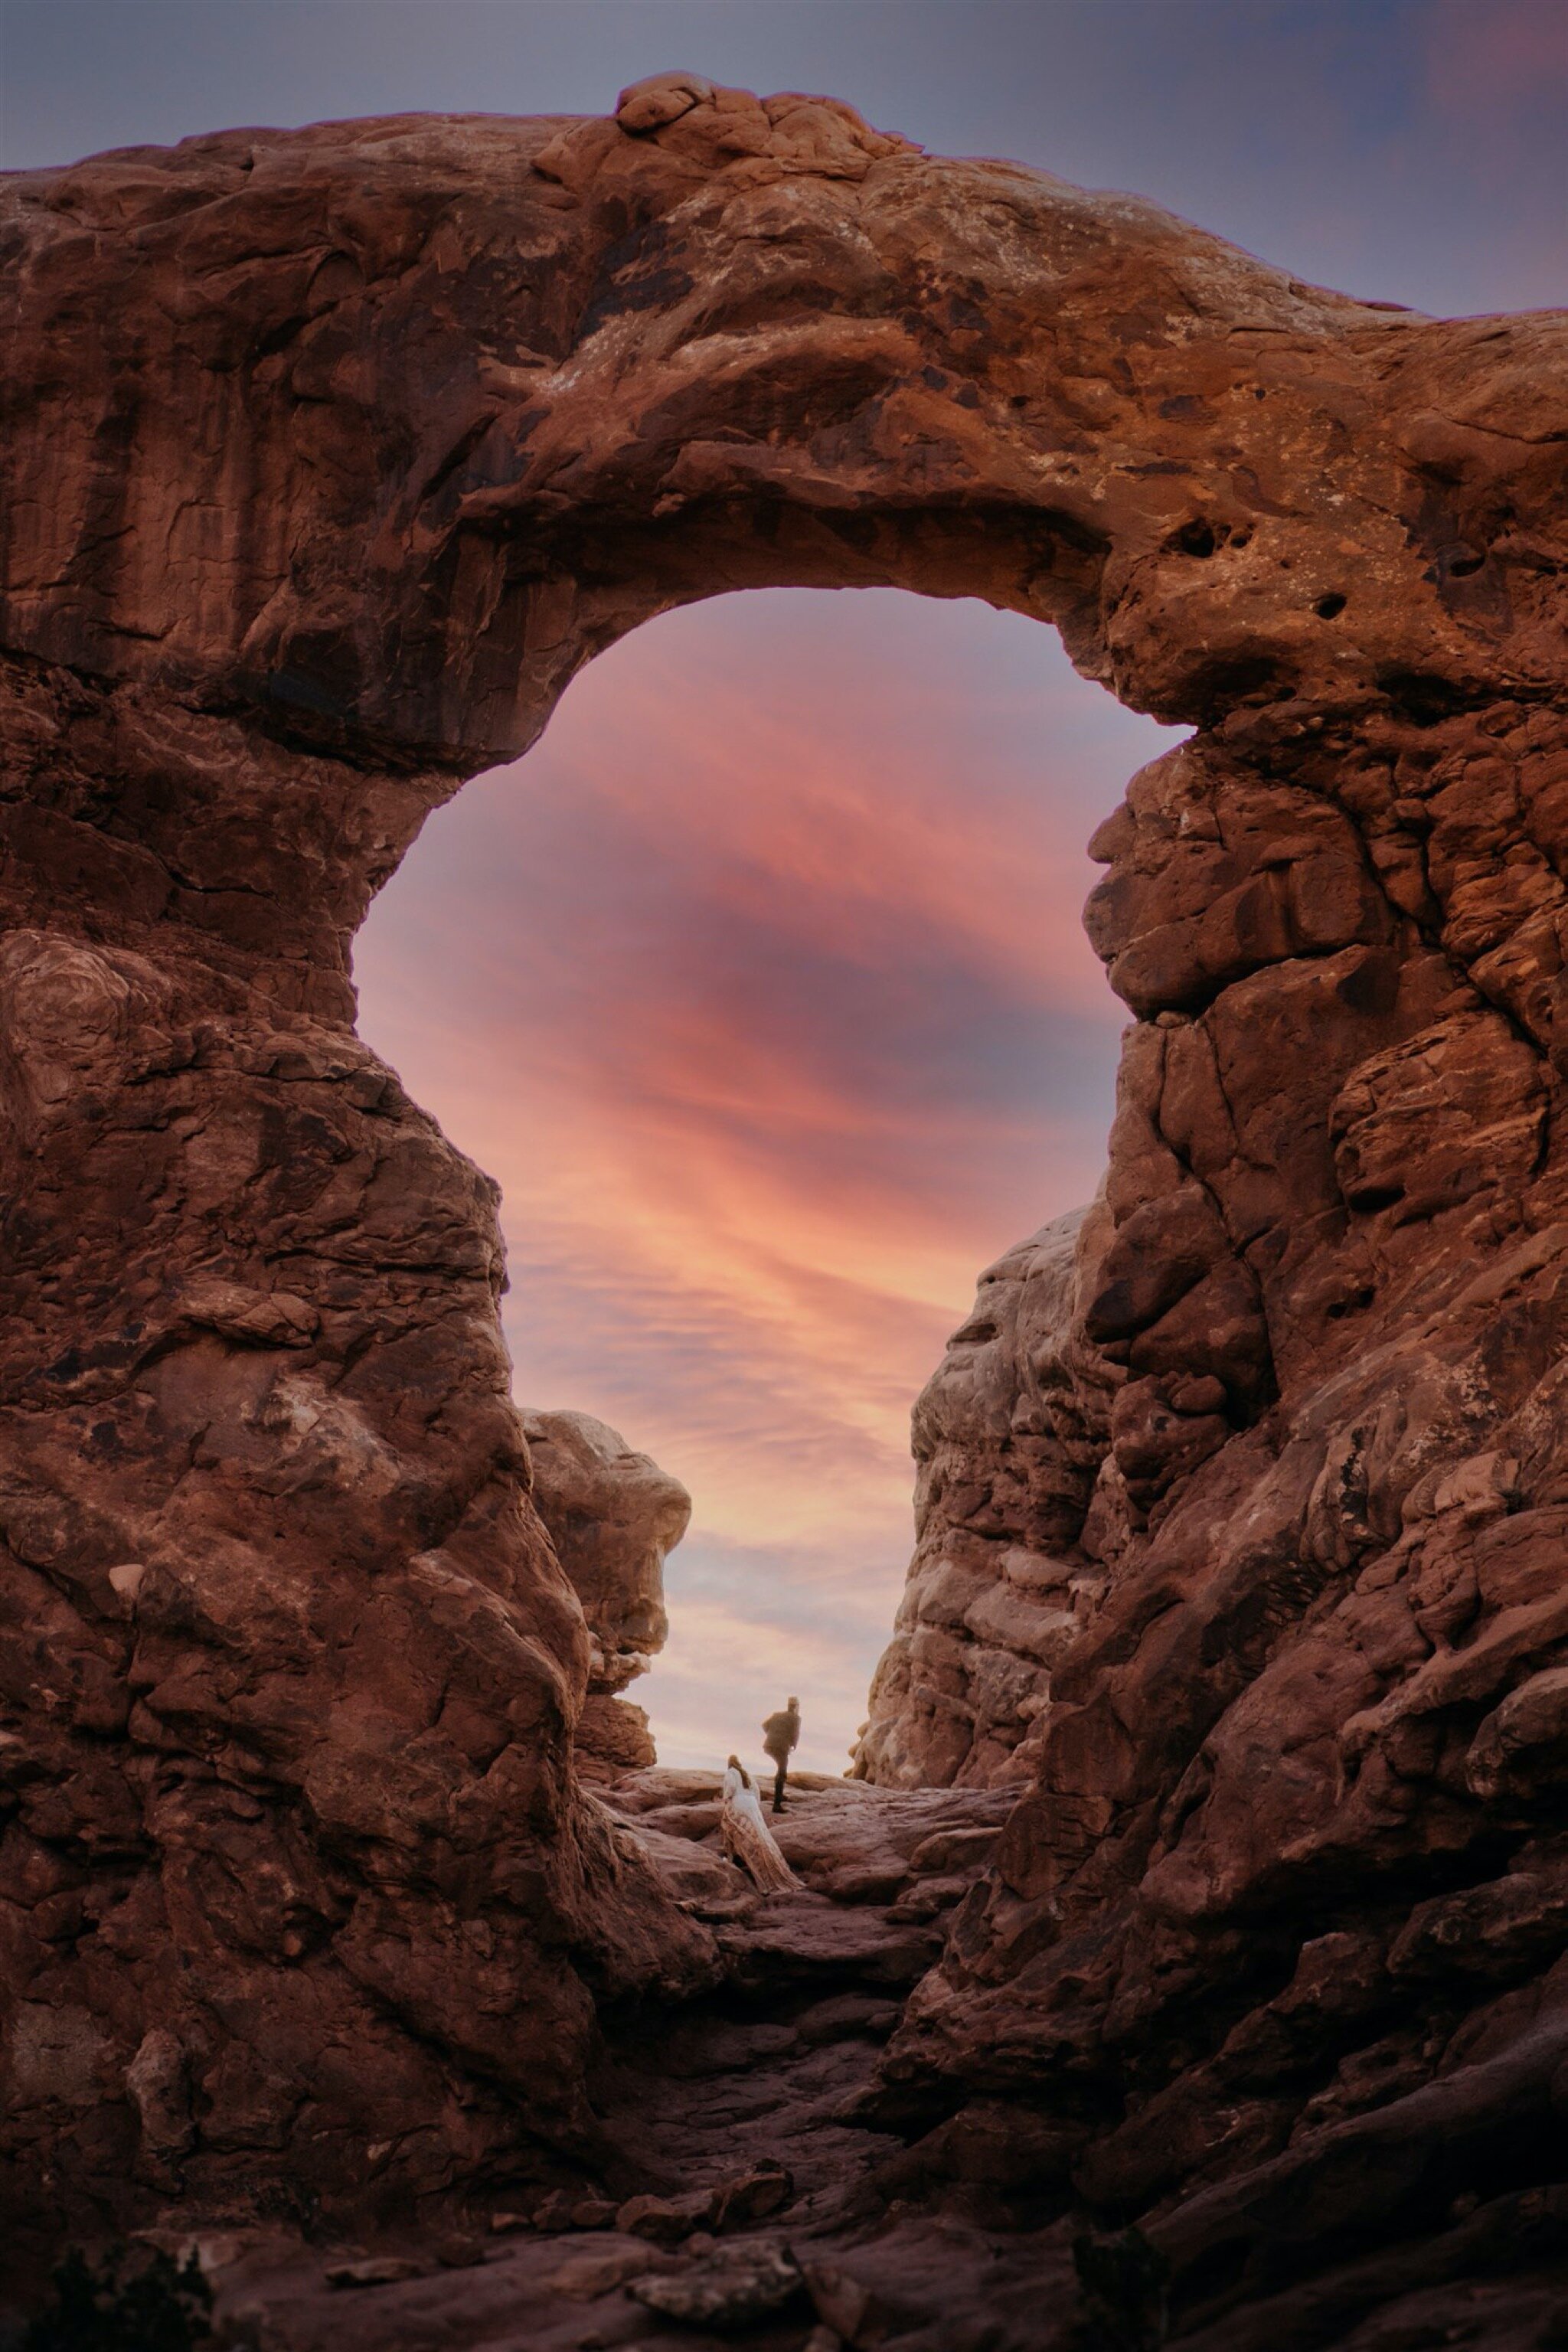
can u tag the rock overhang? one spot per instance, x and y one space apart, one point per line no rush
553 382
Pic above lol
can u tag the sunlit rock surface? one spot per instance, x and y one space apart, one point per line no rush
613 1516
330 457
1010 1437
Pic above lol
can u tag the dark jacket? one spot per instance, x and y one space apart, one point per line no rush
780 1733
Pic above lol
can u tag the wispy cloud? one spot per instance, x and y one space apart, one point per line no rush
762 988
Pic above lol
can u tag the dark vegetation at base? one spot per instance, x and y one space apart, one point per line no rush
129 2300
1124 2281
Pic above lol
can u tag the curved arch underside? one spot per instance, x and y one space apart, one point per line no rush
330 456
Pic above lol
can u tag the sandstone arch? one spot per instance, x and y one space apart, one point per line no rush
329 456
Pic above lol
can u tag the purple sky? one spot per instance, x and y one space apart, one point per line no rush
760 986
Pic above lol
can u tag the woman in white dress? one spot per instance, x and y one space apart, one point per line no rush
745 1835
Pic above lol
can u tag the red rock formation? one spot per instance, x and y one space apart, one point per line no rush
613 1516
1010 1436
329 456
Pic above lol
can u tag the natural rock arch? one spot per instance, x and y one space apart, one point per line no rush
330 456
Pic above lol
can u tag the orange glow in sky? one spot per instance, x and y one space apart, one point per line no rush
761 987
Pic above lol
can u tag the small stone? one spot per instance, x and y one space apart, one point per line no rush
665 2221
863 1882
126 1578
948 1850
753 2196
583 2277
923 1902
593 2213
374 2269
846 2015
460 2251
848 2309
730 2289
157 2081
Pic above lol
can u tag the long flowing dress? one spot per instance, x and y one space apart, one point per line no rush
746 1837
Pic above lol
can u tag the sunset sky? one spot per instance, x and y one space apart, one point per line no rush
761 987
759 984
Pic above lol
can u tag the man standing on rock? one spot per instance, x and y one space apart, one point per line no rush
780 1734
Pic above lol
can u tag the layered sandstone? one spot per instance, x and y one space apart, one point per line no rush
330 457
614 1516
1010 1435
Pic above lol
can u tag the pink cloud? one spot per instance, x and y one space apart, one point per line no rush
762 989
1500 61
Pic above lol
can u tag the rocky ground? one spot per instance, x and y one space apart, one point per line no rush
758 2187
743 2171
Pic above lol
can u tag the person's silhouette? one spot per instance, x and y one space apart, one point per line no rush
780 1734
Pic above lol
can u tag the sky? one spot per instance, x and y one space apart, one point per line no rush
760 986
760 983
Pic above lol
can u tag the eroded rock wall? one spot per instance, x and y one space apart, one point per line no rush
1292 1854
1279 1921
290 1668
1010 1435
614 1516
329 456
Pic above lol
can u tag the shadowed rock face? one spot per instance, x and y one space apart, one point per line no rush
329 456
